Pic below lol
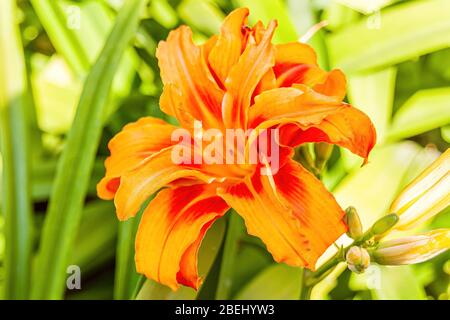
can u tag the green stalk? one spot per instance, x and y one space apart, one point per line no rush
234 231
16 189
77 160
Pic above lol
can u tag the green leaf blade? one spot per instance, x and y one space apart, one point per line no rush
77 160
405 31
16 188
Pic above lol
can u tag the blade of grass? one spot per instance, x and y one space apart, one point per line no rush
77 160
235 229
16 202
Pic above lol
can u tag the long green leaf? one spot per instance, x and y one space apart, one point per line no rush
16 198
212 17
235 228
77 160
424 111
405 31
53 18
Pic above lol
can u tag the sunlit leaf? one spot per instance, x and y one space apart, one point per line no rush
16 156
212 17
424 111
400 33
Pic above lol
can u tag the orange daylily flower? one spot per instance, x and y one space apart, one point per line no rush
237 79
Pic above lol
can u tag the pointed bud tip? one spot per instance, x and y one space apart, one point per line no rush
353 222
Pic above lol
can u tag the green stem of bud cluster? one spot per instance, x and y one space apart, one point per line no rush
379 228
357 256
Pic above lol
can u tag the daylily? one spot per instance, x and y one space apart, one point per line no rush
238 79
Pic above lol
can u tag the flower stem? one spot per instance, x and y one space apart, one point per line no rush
310 279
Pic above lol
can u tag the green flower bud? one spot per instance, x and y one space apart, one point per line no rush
358 259
384 224
353 222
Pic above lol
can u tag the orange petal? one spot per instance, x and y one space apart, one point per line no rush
230 44
183 66
334 85
243 78
294 53
268 218
319 214
171 231
138 185
136 142
278 105
289 230
307 116
300 74
173 103
268 82
297 63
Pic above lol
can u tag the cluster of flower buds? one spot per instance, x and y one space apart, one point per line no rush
421 200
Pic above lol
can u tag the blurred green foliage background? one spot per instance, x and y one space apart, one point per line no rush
73 73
